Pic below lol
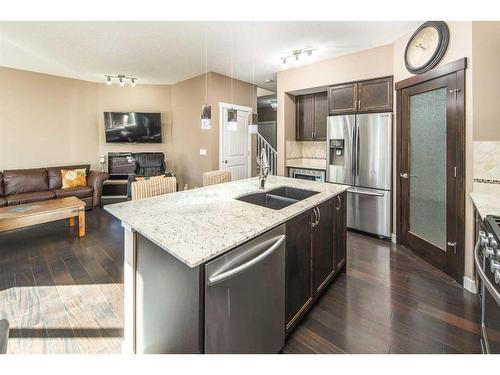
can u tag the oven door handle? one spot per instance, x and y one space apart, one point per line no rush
487 283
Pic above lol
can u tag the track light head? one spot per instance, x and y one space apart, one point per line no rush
132 82
108 81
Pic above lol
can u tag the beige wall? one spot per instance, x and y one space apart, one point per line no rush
486 77
46 120
372 63
187 137
142 98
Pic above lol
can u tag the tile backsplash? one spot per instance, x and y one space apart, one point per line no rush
486 161
305 149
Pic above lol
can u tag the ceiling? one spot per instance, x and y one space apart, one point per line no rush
169 52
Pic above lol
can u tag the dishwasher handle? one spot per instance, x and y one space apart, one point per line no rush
242 267
372 194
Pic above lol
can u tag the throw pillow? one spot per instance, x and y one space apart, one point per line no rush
73 178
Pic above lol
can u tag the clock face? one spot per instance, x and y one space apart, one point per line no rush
426 47
422 47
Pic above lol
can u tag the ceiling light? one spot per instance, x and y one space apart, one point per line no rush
232 119
253 119
122 79
206 117
296 53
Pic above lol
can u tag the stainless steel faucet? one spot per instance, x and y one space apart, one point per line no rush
264 168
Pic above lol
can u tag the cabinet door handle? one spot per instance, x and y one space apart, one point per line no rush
319 215
316 220
340 203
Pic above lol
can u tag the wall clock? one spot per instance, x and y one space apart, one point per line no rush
426 47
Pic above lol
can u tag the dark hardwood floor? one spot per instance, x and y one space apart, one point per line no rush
62 294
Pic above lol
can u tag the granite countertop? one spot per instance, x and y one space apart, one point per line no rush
200 224
486 199
307 163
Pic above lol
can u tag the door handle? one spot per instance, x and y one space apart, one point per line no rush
242 267
403 175
454 245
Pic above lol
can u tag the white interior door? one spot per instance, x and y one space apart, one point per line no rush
234 144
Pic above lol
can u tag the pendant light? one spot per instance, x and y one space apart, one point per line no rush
232 114
253 118
206 109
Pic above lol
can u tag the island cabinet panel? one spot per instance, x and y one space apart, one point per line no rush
323 245
340 230
298 268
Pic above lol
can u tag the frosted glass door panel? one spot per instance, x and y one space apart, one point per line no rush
428 166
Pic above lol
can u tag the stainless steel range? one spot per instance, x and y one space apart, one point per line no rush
487 259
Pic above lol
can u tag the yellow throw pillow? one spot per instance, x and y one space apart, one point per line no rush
73 178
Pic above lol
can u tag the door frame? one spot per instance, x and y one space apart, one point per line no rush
223 106
457 67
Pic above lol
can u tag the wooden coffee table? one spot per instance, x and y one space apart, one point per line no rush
25 215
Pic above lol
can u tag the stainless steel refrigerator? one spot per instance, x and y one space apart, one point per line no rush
359 154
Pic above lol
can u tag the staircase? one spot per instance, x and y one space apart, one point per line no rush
271 153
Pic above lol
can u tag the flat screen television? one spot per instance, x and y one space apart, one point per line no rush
132 127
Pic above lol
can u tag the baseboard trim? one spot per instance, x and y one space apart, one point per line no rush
393 238
470 285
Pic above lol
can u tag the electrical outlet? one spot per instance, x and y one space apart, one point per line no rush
203 151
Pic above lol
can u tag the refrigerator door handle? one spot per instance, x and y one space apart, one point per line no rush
357 149
353 157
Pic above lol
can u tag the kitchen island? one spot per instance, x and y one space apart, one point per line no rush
172 242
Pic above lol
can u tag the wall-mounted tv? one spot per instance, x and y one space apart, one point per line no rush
132 127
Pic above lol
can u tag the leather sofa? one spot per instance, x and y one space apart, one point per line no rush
19 186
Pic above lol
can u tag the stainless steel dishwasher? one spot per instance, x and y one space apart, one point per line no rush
245 297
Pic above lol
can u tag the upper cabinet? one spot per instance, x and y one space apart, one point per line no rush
311 116
374 95
343 98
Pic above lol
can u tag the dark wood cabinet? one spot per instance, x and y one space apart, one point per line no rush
343 99
320 115
298 260
340 229
311 116
373 95
315 252
323 245
305 117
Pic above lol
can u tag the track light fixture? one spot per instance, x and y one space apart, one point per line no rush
122 78
297 54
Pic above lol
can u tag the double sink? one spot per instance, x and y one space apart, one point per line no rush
277 198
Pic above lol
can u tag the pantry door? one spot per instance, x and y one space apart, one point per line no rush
431 170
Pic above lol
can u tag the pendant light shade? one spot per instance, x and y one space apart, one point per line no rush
206 116
232 119
253 123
